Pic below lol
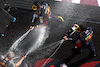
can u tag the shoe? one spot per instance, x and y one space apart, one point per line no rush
76 50
63 65
92 55
95 55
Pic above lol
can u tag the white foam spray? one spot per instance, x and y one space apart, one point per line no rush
40 41
16 43
53 45
59 43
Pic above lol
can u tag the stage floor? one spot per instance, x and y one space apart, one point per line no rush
71 13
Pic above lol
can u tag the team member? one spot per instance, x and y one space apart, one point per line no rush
41 12
8 61
84 39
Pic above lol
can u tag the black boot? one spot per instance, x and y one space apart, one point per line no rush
92 55
76 50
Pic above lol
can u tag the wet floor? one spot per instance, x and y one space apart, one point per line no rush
71 13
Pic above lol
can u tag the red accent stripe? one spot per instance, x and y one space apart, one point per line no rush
45 22
79 45
89 2
52 65
90 64
67 1
41 62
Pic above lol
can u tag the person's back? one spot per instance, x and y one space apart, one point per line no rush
10 63
6 63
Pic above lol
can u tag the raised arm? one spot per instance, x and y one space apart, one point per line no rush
20 61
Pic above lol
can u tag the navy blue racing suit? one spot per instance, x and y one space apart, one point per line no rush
42 14
84 40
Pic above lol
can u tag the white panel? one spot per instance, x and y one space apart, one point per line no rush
98 2
76 1
58 0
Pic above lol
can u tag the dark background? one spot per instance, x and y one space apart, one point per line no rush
72 13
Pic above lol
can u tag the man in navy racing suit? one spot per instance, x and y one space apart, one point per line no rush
41 12
84 39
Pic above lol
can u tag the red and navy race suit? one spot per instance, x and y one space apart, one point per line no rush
43 14
84 40
6 63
